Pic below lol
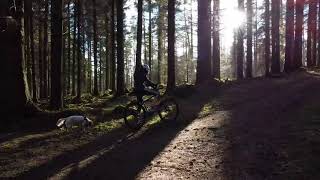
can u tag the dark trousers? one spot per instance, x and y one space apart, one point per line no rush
145 92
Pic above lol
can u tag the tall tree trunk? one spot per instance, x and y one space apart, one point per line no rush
234 56
33 58
318 62
145 60
150 38
171 45
275 66
45 50
240 47
204 42
28 61
113 49
216 39
309 38
186 45
79 56
139 35
83 45
255 60
56 98
95 50
288 65
120 49
160 40
74 50
267 37
314 32
107 66
298 33
40 50
100 68
89 65
15 93
69 49
191 38
312 35
249 39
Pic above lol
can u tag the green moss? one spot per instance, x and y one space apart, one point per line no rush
206 110
107 126
154 120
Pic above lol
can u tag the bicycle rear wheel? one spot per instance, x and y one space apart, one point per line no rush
135 115
168 109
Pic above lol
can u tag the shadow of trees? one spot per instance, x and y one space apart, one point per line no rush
121 154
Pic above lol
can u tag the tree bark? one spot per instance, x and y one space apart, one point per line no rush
249 39
240 47
171 45
314 33
309 34
107 66
79 56
120 49
275 66
312 27
318 57
95 50
267 37
33 58
204 42
56 99
74 50
160 40
113 49
28 61
89 65
40 51
216 39
139 35
45 50
15 93
298 33
69 49
150 38
288 66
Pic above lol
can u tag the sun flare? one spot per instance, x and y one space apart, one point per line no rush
233 18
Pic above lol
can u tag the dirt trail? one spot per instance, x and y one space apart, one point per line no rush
244 135
242 141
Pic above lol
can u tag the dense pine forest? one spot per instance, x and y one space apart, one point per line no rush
77 48
242 74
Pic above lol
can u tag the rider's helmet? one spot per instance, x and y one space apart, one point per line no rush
146 68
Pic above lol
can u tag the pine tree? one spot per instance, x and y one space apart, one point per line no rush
56 98
249 39
171 45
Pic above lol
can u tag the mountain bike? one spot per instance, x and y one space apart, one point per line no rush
137 113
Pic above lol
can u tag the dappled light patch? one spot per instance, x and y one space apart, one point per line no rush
240 132
206 110
153 121
106 127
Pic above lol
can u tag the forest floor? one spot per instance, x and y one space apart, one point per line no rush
255 129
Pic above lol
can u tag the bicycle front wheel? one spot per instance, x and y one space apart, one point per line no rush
169 109
135 115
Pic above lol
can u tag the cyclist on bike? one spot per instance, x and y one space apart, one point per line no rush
142 83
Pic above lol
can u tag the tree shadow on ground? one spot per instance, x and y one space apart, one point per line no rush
264 135
122 155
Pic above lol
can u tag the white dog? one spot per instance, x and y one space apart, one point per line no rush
72 121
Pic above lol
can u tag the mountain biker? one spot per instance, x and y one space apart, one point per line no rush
142 83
